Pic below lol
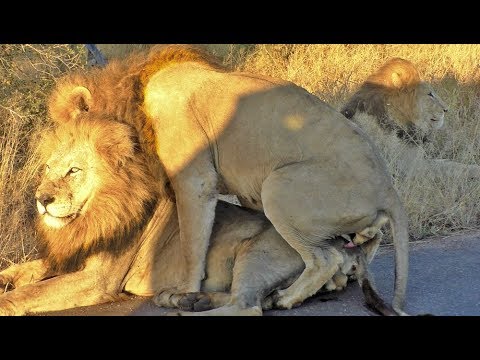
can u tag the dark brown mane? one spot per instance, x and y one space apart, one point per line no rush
380 89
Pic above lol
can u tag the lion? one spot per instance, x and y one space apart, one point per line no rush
96 228
395 102
280 149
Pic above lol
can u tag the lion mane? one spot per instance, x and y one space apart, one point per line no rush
117 89
393 83
121 205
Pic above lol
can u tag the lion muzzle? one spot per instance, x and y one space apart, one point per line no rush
45 199
40 208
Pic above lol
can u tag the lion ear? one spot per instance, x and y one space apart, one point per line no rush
397 80
66 103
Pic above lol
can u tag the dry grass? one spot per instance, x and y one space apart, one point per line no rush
27 72
333 72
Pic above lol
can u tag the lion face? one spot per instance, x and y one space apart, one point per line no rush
430 109
67 185
96 192
397 98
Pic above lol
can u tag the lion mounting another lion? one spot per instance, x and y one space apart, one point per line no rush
280 149
99 238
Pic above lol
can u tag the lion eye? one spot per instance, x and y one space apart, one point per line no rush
73 171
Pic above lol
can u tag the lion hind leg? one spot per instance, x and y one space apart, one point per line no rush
309 235
308 207
369 232
320 266
340 280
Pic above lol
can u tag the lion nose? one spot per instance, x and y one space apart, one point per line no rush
45 199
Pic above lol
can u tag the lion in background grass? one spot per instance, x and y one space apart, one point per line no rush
98 237
400 112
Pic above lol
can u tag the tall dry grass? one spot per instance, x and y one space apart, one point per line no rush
27 72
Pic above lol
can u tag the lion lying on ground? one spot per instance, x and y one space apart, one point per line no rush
395 102
280 149
99 240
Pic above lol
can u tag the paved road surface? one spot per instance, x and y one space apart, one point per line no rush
443 281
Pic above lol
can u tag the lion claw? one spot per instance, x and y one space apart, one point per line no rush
196 301
5 284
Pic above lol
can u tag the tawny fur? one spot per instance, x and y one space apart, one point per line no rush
265 140
118 246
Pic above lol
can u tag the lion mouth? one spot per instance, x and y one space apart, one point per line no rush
434 120
52 220
57 221
66 217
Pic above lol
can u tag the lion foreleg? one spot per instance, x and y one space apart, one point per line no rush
66 291
99 282
320 266
196 196
58 293
19 275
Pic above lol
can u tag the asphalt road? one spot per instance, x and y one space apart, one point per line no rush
442 281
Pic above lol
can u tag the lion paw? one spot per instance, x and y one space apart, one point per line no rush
281 300
8 308
196 301
164 298
330 285
192 301
340 280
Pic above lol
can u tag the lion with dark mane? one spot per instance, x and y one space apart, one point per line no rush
100 239
206 130
395 106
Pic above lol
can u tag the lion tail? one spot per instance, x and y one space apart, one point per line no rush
399 225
